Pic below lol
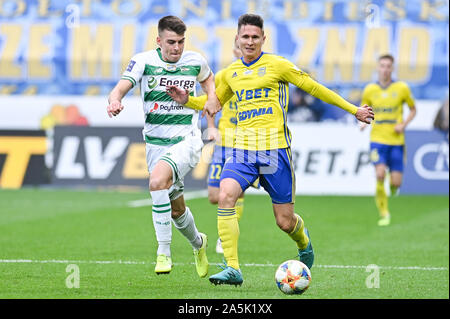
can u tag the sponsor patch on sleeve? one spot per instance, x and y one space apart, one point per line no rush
130 65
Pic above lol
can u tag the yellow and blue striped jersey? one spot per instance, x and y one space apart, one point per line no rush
261 89
387 104
227 122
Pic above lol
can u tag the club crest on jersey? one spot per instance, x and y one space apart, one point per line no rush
171 67
130 65
262 71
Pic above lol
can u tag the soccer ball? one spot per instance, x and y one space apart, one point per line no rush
293 277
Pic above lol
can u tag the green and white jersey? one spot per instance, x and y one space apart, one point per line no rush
166 121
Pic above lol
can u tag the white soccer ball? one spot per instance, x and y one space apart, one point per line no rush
293 277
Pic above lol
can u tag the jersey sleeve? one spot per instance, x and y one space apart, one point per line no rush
409 98
205 70
292 74
134 70
218 77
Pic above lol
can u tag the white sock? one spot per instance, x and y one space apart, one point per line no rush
186 225
162 214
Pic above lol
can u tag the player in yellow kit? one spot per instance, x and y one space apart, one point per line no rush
262 142
224 137
387 138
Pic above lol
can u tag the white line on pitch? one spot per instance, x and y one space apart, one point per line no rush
187 196
130 262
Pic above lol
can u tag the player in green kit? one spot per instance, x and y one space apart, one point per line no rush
173 139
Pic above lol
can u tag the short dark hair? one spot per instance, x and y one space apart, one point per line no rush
386 56
250 19
171 23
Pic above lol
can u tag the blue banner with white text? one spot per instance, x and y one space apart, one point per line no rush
82 47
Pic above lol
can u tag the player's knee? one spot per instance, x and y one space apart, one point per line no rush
159 183
226 197
284 224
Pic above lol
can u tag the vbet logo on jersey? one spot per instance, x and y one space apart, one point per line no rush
252 94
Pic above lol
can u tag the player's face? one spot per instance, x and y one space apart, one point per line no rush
250 40
385 68
171 44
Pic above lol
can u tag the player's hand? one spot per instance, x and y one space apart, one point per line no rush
177 94
114 108
212 106
399 128
365 114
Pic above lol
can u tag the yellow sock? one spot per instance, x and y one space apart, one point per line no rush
381 199
239 208
298 234
228 227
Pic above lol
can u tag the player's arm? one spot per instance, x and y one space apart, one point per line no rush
223 93
115 97
212 132
400 127
365 100
212 105
364 113
290 73
131 76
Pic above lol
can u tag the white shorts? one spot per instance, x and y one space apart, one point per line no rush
181 157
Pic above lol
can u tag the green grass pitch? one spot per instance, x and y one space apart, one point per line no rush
114 246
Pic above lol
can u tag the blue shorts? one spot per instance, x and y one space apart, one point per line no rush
393 156
221 153
273 167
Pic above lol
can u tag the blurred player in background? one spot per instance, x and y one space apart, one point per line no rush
262 143
224 138
387 138
173 140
